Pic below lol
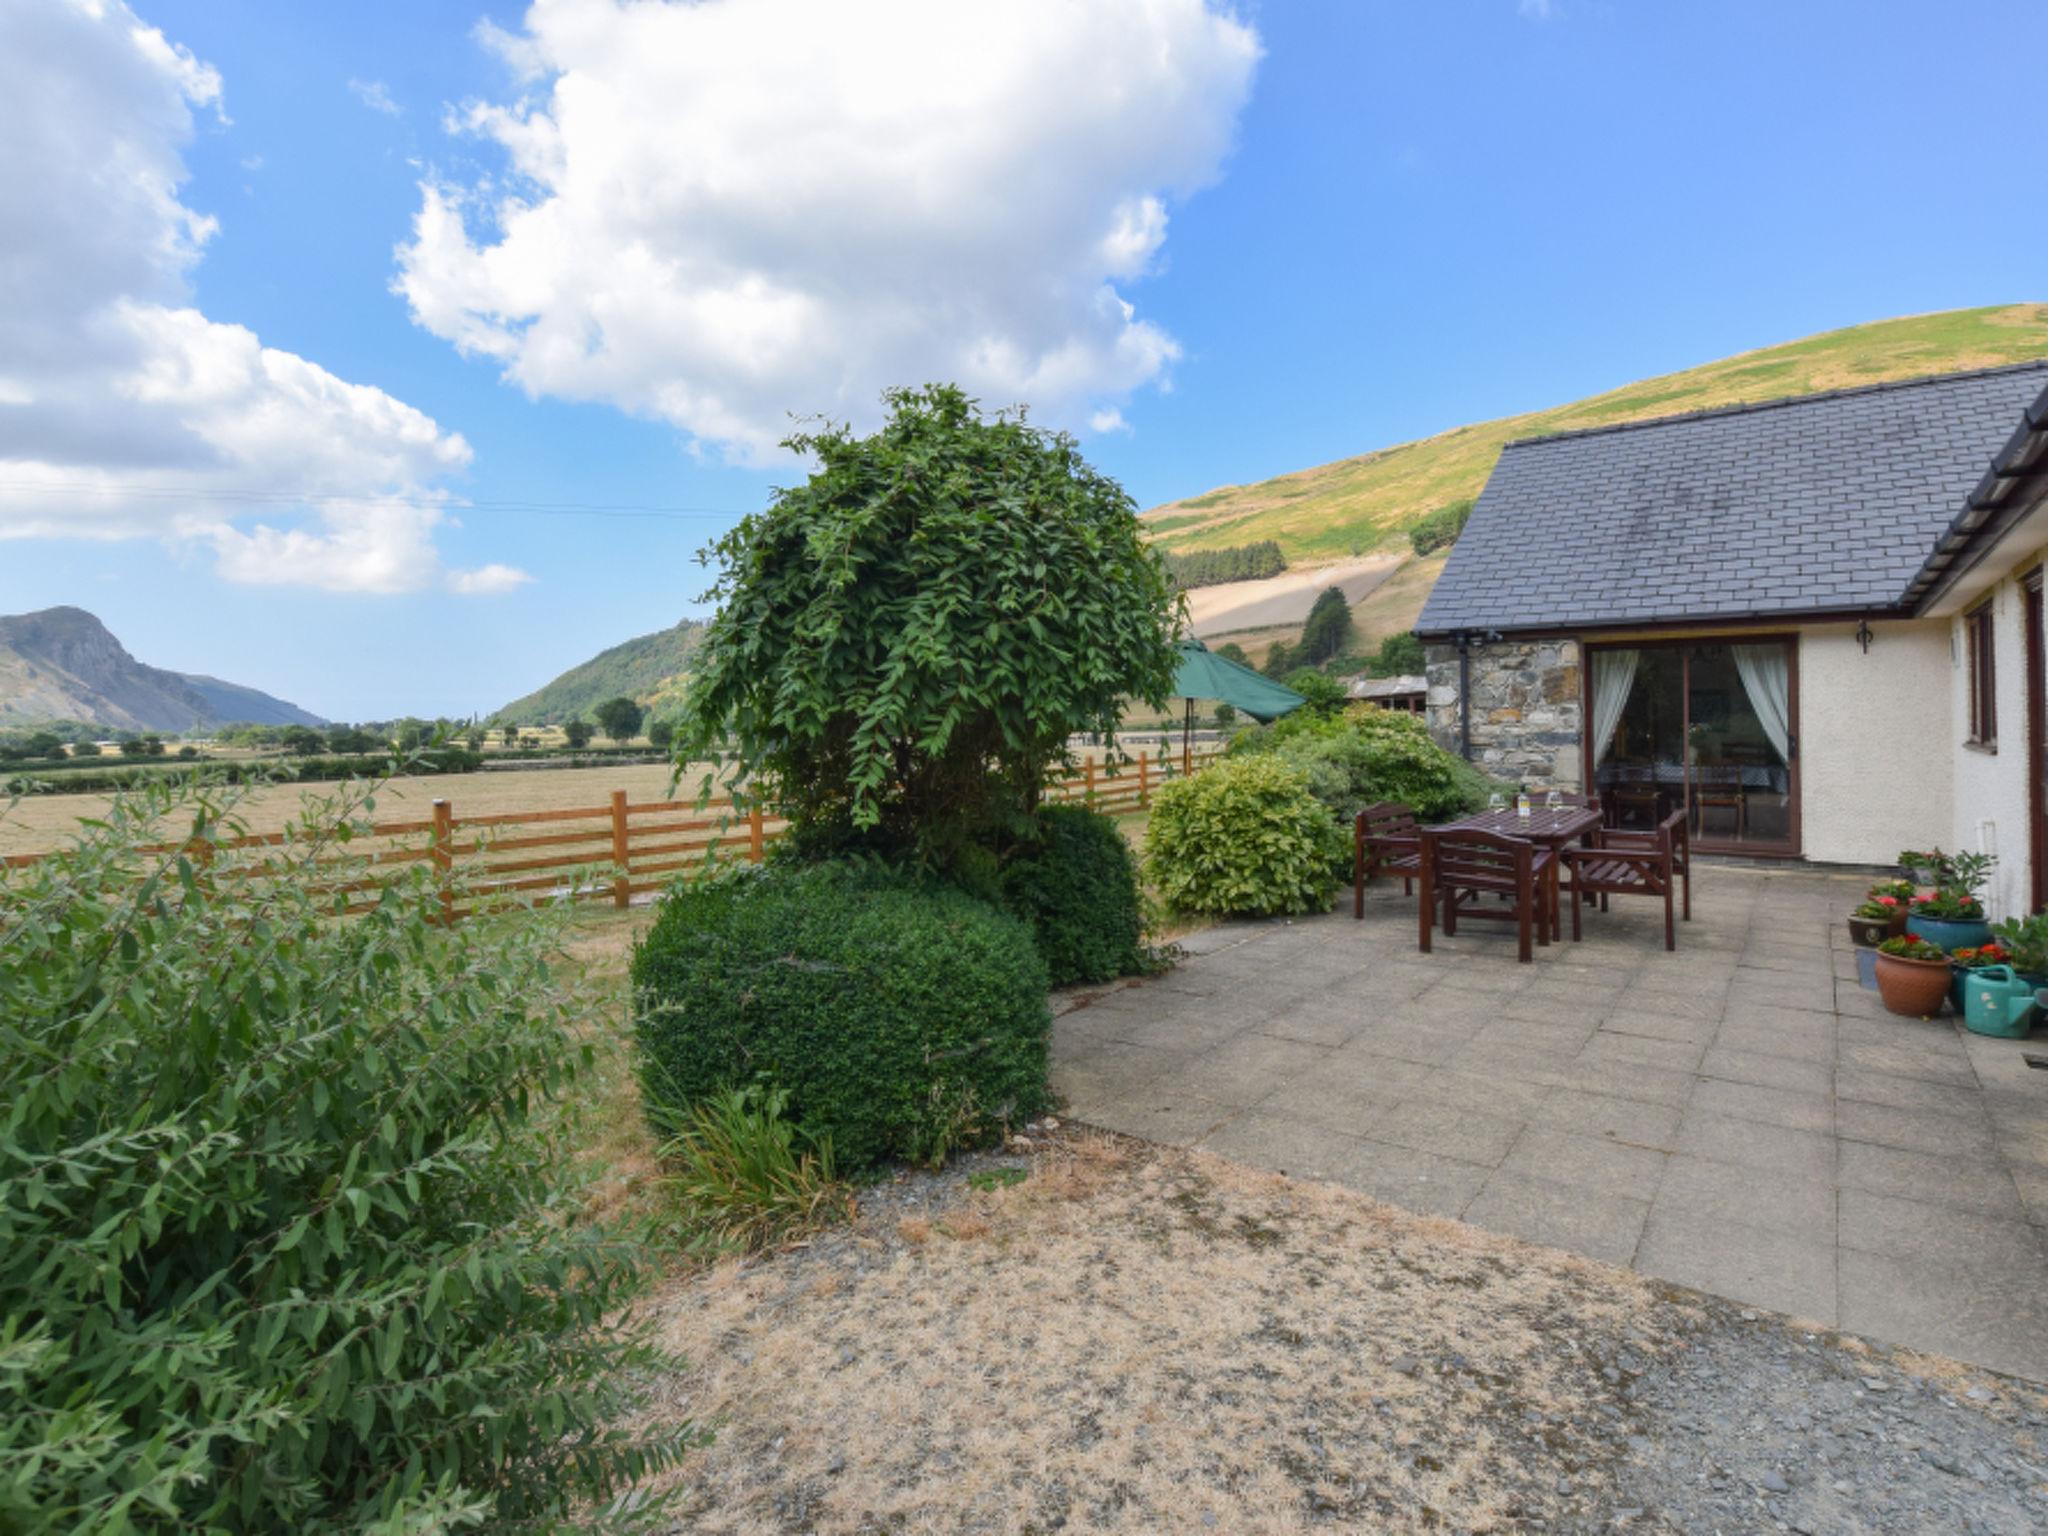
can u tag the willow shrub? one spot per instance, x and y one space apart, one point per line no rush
1246 837
905 643
286 1237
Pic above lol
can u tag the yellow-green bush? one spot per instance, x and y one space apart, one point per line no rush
1247 836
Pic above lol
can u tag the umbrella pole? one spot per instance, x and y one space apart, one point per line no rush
1187 754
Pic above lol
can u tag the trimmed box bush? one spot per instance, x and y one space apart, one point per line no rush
1247 836
904 1018
1076 884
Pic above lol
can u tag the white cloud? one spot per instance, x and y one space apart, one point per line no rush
372 94
721 214
487 579
124 411
1110 420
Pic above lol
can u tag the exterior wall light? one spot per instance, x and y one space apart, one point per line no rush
1864 635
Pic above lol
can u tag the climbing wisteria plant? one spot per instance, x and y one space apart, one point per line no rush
905 643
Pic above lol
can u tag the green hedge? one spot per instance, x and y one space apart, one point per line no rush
1076 884
903 1018
289 1240
1244 837
93 778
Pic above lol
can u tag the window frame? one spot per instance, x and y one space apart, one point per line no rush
1980 660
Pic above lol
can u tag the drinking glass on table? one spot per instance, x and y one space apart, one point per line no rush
1553 801
1494 802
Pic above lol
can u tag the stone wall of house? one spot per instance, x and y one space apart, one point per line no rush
1526 709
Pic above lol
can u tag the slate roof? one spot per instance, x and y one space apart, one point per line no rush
1821 503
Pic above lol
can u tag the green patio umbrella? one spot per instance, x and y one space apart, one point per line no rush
1205 675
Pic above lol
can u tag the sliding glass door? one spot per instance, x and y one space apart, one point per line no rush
1707 729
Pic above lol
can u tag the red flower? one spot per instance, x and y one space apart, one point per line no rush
1888 901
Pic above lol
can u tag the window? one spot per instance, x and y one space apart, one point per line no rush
1983 678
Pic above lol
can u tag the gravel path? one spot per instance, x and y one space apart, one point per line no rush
1120 1337
1761 1426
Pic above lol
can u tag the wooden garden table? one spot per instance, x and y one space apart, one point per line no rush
1544 827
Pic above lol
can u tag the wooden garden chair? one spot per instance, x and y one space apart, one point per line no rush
1462 867
1657 863
1385 839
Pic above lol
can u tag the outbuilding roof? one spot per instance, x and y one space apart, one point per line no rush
1829 503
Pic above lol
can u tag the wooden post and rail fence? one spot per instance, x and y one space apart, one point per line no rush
610 852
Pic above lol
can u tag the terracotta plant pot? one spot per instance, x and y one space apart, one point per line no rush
1869 932
1915 988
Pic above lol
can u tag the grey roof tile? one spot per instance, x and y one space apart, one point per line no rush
1829 501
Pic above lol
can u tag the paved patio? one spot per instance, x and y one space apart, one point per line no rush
1740 1116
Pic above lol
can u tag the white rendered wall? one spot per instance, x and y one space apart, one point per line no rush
1991 787
1876 772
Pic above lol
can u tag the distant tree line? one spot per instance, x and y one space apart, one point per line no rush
1213 567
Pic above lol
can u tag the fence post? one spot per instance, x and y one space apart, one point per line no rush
1144 781
444 855
757 836
622 882
1088 784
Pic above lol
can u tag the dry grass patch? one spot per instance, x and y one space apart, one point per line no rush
1141 1339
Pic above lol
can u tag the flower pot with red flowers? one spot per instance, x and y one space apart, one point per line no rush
1895 896
1973 958
1952 914
1913 976
1951 918
1871 924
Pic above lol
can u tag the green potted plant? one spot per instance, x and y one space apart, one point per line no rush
1871 924
2025 940
1913 976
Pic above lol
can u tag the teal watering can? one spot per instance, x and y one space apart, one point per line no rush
1997 1002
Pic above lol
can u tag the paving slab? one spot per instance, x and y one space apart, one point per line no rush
1740 1116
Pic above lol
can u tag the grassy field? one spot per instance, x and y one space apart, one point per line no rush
1358 505
43 821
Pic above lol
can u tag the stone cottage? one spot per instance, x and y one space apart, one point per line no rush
1814 624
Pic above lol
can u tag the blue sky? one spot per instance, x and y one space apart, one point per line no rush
1385 220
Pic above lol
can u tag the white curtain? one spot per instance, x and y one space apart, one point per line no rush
1614 678
1767 679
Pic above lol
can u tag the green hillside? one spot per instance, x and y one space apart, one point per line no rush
649 668
1356 506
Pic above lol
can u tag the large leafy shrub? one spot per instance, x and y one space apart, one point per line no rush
1366 755
1246 836
285 1237
901 1016
1076 884
905 643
